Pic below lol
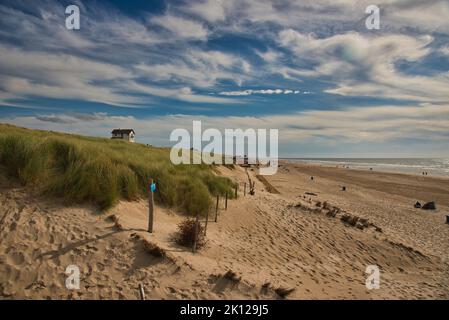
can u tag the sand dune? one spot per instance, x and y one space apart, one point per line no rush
260 244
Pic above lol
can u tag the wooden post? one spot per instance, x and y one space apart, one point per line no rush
236 186
226 201
252 185
207 220
244 190
216 208
195 239
142 292
150 207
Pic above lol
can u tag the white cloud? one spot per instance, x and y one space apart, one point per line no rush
68 77
269 55
261 91
444 50
365 66
308 15
181 27
210 10
199 68
59 76
429 16
183 94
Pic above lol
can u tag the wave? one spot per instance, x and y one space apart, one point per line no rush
433 166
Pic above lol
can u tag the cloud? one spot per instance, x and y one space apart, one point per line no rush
363 65
444 51
73 117
39 26
43 59
261 91
270 55
183 94
66 77
199 68
210 10
60 76
325 15
54 119
181 27
160 49
428 16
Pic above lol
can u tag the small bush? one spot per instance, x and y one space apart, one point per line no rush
153 249
332 213
232 276
186 234
350 219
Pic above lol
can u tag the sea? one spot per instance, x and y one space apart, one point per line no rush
431 166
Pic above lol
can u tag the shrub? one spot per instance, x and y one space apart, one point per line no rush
153 249
349 219
186 234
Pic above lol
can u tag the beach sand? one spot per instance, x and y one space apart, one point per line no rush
309 237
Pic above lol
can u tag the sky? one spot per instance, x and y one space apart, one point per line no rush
309 68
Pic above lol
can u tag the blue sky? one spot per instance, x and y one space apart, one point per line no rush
308 68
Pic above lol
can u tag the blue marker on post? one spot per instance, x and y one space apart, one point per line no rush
153 187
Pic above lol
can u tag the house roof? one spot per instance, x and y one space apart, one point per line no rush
126 131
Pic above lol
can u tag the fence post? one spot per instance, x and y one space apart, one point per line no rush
236 186
195 239
216 209
226 201
150 207
207 220
244 190
142 292
252 185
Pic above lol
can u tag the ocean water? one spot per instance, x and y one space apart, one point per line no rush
433 167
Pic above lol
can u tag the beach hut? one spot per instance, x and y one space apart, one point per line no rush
123 134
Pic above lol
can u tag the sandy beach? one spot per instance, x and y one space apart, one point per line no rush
297 235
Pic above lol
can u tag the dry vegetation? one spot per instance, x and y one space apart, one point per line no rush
186 234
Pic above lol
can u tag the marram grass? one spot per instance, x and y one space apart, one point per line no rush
102 171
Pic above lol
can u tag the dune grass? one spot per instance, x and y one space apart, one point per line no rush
102 171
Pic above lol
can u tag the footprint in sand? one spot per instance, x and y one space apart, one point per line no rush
16 258
13 226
